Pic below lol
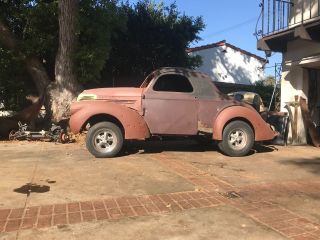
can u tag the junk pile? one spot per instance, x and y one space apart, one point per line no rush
18 126
54 134
27 115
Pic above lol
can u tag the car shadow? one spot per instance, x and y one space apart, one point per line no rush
180 145
262 148
312 165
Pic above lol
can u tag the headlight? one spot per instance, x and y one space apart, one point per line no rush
86 97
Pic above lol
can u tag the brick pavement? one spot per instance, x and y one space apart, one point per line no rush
103 209
254 201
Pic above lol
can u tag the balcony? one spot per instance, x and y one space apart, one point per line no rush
285 20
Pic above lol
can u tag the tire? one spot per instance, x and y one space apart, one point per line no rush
98 145
237 139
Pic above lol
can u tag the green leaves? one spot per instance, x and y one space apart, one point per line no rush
113 40
156 36
14 86
97 21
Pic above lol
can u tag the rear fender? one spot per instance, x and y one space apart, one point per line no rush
133 124
261 129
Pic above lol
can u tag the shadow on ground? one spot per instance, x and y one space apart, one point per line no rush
311 164
181 145
32 188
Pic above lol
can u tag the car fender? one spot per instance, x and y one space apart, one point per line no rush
133 124
261 129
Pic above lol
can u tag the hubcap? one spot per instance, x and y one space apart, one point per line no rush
105 140
237 139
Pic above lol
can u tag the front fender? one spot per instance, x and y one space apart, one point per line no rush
134 125
261 129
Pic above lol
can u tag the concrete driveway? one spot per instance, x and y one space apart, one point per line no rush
158 190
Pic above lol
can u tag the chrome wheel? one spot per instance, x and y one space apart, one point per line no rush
105 140
237 139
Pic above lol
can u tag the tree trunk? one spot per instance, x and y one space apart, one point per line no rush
58 94
65 88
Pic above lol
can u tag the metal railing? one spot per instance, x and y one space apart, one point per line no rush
279 15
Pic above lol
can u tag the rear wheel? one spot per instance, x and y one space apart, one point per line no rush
237 139
104 140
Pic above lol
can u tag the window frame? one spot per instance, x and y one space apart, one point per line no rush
176 74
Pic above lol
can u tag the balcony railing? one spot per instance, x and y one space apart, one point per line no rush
279 15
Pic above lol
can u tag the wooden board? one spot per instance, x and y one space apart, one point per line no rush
307 120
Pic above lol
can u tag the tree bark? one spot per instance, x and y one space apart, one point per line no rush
59 93
65 88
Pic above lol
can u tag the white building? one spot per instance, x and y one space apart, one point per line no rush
224 62
293 29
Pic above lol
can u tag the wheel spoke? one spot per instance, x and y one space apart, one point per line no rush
99 137
99 144
237 139
105 140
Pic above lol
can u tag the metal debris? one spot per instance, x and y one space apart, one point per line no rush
231 195
55 134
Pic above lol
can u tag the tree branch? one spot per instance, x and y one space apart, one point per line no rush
6 37
34 66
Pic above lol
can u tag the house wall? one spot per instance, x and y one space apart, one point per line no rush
300 56
310 9
224 64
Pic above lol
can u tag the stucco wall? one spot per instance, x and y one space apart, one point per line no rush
300 55
309 8
225 64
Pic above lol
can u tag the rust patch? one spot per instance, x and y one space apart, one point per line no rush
204 128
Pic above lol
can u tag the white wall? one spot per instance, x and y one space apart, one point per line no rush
299 56
305 6
224 64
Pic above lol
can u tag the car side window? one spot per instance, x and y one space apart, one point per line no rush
173 83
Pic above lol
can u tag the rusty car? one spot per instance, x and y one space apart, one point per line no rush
170 102
251 98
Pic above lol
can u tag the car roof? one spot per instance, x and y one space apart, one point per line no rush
243 92
178 70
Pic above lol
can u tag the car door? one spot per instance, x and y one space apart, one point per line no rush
170 106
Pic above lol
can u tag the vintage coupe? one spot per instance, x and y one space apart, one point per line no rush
170 102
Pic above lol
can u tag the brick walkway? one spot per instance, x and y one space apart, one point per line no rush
253 201
113 208
255 204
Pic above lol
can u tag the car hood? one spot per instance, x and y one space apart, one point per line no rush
130 97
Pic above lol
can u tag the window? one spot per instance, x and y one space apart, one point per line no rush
173 83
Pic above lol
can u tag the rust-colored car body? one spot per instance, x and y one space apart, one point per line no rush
144 112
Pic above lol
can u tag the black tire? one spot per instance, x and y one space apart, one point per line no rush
237 139
98 145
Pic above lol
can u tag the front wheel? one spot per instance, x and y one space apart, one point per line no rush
237 139
104 140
